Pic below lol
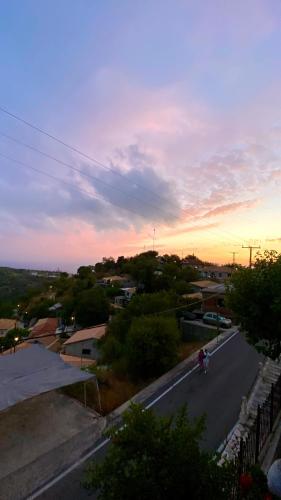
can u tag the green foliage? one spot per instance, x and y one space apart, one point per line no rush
112 349
112 291
92 308
152 345
156 458
19 286
40 308
9 340
114 346
258 489
150 303
86 272
255 297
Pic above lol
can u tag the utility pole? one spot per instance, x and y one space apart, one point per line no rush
251 248
153 239
233 256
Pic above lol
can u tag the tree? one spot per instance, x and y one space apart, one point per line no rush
152 345
9 340
92 307
157 458
254 295
119 327
85 272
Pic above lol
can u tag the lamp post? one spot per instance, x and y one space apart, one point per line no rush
15 343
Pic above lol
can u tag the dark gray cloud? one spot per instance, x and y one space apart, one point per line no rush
102 198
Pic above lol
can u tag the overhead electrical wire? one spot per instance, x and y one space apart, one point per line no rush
62 181
76 150
78 170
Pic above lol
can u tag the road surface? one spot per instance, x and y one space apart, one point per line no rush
232 372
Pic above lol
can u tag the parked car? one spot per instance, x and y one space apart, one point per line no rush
216 319
187 315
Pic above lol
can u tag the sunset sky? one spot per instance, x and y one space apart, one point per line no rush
175 106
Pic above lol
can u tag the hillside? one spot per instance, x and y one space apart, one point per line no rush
20 284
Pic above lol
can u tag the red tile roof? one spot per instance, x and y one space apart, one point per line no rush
44 326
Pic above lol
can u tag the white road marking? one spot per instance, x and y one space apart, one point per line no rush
106 441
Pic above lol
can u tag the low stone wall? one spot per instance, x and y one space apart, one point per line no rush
195 330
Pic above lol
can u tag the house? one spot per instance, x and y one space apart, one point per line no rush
220 273
214 300
194 296
127 294
44 331
6 325
113 280
84 342
199 285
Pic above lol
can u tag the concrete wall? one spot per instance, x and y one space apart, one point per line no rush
77 348
195 330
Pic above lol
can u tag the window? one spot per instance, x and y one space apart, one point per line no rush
220 302
86 351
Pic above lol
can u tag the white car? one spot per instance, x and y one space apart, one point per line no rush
216 319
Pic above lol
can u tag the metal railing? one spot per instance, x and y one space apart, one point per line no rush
251 447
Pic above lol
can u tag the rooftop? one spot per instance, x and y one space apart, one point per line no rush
95 333
203 283
216 269
7 324
114 278
218 288
44 326
77 361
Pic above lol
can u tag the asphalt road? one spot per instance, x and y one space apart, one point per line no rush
218 394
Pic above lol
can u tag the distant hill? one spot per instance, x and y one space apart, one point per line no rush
19 284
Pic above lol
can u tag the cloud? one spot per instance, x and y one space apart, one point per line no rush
273 240
230 207
105 199
172 159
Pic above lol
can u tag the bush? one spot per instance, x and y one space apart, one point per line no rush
157 458
152 346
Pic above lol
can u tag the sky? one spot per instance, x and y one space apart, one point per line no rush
156 118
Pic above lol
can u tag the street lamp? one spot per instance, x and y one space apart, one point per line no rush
16 339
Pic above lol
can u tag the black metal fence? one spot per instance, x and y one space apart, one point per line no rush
252 445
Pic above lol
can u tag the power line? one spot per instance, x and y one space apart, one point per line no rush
81 172
74 187
251 248
78 151
233 256
25 165
74 149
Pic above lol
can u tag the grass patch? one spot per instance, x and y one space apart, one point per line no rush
114 391
188 348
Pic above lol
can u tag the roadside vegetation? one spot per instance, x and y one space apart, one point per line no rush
254 295
160 458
